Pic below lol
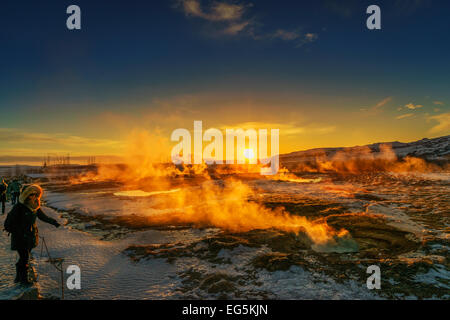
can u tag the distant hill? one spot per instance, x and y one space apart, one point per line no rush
432 150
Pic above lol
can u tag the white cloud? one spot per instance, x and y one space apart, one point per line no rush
286 129
235 28
218 11
294 36
383 102
376 108
443 125
286 35
310 37
411 106
226 18
233 19
15 136
403 116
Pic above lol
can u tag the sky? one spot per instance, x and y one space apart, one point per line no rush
137 70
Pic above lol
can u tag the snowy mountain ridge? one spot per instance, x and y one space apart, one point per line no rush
436 149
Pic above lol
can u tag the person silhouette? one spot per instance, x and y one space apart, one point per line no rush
21 223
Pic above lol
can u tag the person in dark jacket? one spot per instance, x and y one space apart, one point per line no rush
21 223
15 191
3 188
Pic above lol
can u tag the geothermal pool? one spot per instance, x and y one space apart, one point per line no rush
304 237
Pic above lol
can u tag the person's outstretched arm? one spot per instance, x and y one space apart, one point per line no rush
42 216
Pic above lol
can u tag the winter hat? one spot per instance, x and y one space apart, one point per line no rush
27 190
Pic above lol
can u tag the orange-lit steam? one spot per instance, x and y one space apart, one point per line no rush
144 157
232 207
284 175
360 159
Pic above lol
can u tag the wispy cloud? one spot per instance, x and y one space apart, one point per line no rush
438 103
16 136
286 129
377 108
383 102
403 116
296 36
235 28
411 106
225 18
218 11
234 19
285 35
443 125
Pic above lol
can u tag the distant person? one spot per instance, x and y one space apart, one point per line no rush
8 194
21 223
15 191
8 191
3 188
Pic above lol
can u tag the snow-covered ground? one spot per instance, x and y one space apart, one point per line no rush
108 272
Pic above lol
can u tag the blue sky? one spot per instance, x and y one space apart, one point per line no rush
308 67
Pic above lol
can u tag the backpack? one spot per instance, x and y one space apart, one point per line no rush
8 222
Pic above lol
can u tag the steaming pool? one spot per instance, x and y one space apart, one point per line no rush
193 240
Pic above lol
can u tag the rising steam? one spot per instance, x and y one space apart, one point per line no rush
360 159
232 207
229 205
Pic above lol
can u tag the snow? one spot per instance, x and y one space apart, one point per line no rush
396 218
432 149
108 273
438 271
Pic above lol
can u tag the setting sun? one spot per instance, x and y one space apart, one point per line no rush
249 154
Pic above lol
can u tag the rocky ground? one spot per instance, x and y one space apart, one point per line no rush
399 223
